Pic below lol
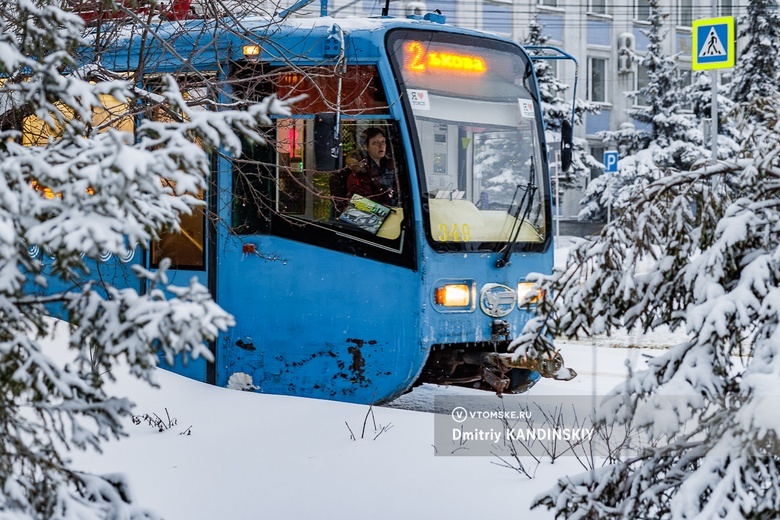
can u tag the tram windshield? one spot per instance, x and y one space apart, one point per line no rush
478 136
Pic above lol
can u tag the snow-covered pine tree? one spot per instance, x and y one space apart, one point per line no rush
552 93
685 254
758 67
83 189
699 95
667 137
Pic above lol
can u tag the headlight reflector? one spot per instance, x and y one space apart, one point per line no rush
251 51
527 295
453 295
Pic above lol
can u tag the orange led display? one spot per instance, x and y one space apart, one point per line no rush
420 60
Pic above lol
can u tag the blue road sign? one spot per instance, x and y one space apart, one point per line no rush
713 43
611 161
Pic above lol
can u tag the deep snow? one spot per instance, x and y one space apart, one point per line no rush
250 455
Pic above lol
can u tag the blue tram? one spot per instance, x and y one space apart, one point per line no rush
426 286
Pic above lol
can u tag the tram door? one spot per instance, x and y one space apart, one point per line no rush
187 251
188 247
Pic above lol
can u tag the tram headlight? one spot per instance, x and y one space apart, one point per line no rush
251 51
527 295
454 295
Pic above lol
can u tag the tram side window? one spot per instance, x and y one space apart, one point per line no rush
185 247
301 183
113 114
252 181
293 180
293 148
36 131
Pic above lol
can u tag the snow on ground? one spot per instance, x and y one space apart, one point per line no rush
250 456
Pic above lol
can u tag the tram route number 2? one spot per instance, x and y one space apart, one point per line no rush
454 233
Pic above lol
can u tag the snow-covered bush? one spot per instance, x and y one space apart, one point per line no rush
82 190
710 266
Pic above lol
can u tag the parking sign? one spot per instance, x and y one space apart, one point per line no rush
611 161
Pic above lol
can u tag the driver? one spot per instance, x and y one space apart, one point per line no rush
371 173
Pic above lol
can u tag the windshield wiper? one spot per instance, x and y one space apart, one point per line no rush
526 204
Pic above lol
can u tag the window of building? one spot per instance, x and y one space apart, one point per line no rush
726 8
549 3
497 17
641 9
686 77
597 80
597 6
685 13
641 79
686 80
597 151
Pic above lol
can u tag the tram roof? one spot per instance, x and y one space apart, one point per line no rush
301 37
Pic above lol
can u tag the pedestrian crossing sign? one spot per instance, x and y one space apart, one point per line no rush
713 43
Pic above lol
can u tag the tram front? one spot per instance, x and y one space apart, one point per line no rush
478 133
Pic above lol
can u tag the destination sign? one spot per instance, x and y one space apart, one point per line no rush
419 58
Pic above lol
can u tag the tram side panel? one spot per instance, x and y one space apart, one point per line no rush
107 270
318 323
323 308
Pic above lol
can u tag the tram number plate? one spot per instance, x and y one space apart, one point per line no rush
454 233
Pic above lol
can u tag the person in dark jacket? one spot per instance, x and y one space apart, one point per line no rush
371 173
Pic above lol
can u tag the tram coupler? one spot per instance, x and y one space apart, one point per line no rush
499 331
498 383
549 366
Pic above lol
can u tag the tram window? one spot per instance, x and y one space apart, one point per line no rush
294 185
484 177
37 131
361 90
113 114
291 149
356 91
291 186
252 181
185 248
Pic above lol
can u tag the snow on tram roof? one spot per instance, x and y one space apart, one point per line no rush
347 24
201 30
254 22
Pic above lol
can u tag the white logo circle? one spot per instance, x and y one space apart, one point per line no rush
459 414
497 300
